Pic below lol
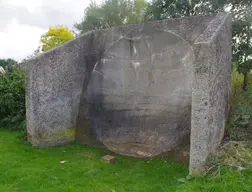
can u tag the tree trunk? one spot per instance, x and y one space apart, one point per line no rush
245 81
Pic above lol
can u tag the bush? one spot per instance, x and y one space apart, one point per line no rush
12 100
240 120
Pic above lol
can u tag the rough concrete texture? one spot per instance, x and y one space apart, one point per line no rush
138 90
210 90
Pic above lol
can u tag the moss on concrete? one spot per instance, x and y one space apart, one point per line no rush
54 138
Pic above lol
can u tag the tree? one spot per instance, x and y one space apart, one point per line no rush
12 99
54 37
112 13
242 29
8 64
162 9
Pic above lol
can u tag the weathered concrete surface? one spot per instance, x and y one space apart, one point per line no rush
136 89
54 86
139 95
210 91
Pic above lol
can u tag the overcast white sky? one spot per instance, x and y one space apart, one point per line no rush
22 22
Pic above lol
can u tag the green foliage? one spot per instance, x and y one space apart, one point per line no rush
55 36
112 13
160 9
8 64
75 168
242 47
12 100
242 107
239 127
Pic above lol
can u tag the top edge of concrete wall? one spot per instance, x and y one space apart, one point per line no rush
213 25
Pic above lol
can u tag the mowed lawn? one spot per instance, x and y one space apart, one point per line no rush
78 168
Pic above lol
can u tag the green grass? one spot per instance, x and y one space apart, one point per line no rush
27 169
